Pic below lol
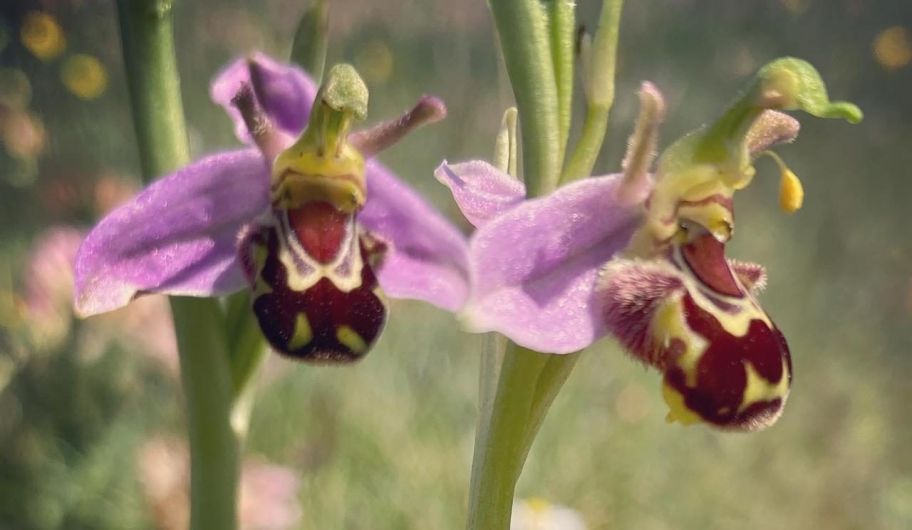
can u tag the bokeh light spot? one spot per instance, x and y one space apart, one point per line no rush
893 48
796 7
84 76
23 134
374 61
42 35
632 403
15 88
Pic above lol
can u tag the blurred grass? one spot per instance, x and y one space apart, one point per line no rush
386 444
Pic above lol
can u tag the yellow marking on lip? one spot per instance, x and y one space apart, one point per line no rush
760 389
303 334
737 324
677 409
669 324
349 338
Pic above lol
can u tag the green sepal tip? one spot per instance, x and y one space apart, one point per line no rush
784 84
345 91
800 88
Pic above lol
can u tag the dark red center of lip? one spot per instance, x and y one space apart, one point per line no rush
320 228
705 256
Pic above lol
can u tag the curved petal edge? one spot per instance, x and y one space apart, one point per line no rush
285 93
177 236
428 258
481 191
534 268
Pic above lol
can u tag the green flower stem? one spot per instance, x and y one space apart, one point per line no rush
158 114
536 57
529 381
209 393
599 88
492 354
501 446
551 378
246 344
526 44
563 35
148 49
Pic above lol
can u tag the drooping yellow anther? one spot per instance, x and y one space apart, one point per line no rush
791 192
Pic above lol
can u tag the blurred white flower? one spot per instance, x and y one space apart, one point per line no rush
268 497
267 494
47 306
539 514
47 285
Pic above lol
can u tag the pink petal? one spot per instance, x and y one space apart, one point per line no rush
428 256
481 190
286 93
177 236
534 268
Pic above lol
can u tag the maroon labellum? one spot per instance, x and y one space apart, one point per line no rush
692 315
315 293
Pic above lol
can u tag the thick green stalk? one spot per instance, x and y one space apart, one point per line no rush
551 378
209 393
158 114
563 35
245 340
492 354
599 74
500 456
534 50
526 44
148 50
529 381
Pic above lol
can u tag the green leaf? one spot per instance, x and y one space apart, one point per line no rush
310 41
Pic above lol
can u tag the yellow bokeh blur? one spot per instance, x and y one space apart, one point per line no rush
893 48
42 35
84 76
796 7
375 62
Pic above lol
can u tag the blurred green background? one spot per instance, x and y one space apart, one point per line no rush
90 411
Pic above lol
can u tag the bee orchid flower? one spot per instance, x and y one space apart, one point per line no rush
312 226
641 255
